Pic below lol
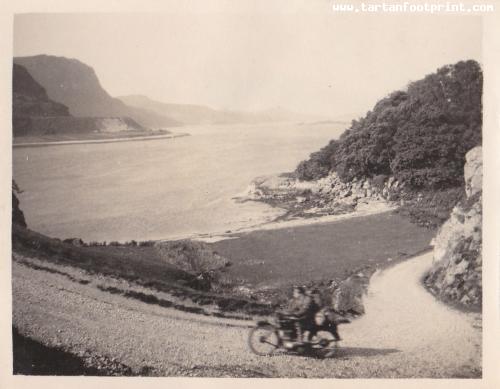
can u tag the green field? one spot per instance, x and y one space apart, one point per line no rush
322 251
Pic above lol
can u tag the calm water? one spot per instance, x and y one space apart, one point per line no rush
161 188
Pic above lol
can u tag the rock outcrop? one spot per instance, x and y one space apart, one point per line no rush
17 213
326 196
347 297
456 274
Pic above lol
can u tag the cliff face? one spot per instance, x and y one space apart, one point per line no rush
75 84
30 98
456 274
34 114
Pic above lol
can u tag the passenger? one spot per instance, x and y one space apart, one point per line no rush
328 317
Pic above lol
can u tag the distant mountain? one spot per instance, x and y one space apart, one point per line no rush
200 114
75 84
34 114
185 113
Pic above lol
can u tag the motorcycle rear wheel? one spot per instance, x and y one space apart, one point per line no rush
263 340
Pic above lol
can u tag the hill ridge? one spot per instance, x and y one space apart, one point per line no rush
75 84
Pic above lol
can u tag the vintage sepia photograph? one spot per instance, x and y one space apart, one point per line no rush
262 194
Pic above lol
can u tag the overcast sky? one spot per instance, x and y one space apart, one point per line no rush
323 63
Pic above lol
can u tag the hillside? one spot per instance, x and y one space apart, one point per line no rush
30 98
418 137
405 333
199 114
35 115
76 85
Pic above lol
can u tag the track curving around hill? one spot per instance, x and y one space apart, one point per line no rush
406 332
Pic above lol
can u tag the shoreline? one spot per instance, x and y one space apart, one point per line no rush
95 141
280 223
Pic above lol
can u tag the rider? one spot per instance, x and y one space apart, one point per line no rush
302 306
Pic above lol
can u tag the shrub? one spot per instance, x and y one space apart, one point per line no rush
193 257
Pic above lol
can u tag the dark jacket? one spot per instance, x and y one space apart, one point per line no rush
303 306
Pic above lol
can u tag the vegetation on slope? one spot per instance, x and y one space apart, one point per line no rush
419 135
141 264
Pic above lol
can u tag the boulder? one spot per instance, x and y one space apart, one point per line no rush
472 171
347 297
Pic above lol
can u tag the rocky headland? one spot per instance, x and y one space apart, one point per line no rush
36 117
326 196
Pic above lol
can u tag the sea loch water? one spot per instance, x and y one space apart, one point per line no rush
159 189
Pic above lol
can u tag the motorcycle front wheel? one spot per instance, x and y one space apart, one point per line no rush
263 340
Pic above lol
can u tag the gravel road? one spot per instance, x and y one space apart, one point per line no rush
406 332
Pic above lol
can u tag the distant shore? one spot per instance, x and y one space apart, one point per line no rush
91 141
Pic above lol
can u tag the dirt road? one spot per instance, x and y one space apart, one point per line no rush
405 332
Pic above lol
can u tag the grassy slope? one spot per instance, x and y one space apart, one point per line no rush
141 265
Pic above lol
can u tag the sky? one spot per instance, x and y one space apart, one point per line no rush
319 62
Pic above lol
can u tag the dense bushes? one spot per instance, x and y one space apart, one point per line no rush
319 163
420 135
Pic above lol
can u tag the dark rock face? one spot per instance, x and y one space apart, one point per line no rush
17 214
457 271
30 98
30 103
75 84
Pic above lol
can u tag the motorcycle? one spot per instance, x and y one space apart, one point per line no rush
267 337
